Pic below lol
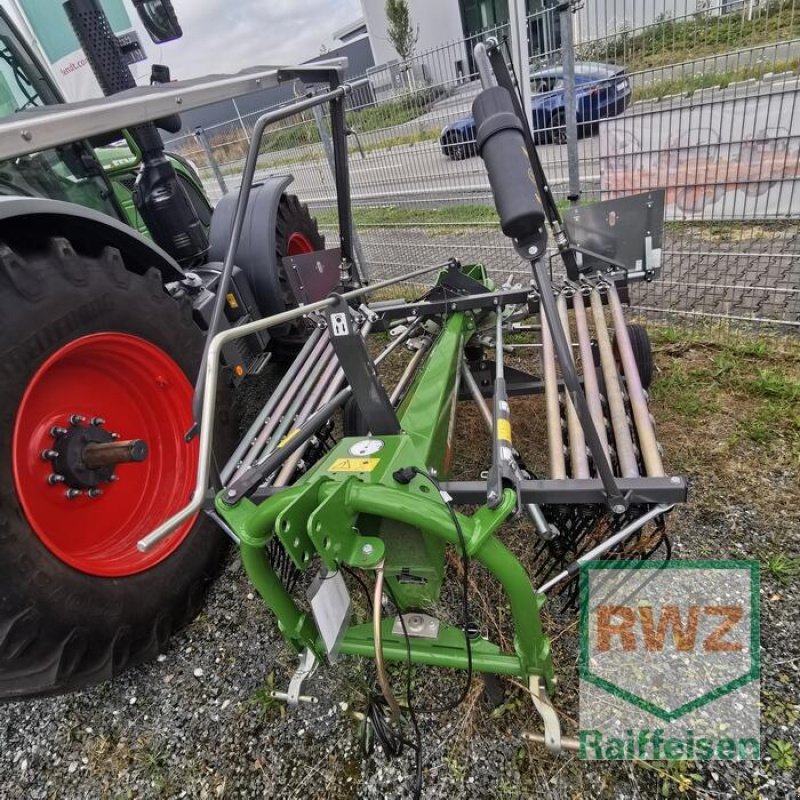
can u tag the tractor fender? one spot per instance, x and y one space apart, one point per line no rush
256 254
36 219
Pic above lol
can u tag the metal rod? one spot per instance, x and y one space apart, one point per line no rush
555 442
291 415
210 392
633 382
572 385
106 454
605 546
282 402
201 137
484 67
577 443
286 381
475 391
590 384
616 405
567 742
380 664
328 385
408 373
398 340
570 101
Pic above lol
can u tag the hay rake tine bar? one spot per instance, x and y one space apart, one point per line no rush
638 401
605 546
558 468
616 403
286 381
212 368
579 464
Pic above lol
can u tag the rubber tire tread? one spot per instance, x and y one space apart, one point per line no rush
62 629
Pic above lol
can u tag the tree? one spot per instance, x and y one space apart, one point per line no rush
401 31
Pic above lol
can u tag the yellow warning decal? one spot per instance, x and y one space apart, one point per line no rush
354 465
231 298
504 430
288 437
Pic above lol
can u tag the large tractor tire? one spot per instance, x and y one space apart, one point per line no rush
296 233
92 353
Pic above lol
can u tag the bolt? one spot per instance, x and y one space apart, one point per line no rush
492 495
675 479
95 492
26 135
366 549
432 472
533 250
55 478
76 419
98 421
58 431
72 494
49 455
231 493
618 508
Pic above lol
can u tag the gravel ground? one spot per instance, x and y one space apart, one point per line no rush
198 722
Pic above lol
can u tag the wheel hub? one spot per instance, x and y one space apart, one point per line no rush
84 455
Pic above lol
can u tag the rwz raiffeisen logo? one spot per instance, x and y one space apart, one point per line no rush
669 660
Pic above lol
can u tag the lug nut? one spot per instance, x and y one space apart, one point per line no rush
49 455
55 478
98 421
58 431
72 494
95 492
76 419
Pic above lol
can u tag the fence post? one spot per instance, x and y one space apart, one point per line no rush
520 51
241 121
327 145
570 101
201 137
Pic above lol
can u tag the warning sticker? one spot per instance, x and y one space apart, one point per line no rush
354 465
504 430
339 324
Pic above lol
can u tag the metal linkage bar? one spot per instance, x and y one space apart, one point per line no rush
31 131
212 368
555 443
636 394
589 375
426 308
266 413
640 491
626 455
616 501
577 443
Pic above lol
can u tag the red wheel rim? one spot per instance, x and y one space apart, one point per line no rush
140 392
299 244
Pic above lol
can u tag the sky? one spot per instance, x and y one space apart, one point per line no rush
229 35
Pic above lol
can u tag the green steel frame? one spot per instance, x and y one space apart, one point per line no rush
349 510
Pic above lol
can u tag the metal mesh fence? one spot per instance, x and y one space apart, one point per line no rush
699 98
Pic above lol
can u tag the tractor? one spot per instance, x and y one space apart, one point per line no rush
109 265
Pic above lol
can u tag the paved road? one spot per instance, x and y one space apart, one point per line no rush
419 175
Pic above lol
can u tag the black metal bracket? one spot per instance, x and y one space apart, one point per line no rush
359 370
472 302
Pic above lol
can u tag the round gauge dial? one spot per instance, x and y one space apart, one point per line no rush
366 447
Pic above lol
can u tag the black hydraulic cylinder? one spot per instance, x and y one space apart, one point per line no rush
502 147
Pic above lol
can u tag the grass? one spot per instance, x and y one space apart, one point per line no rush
782 753
672 41
730 407
782 567
688 84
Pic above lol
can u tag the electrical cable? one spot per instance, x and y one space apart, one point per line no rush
405 475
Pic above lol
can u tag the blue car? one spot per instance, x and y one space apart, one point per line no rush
602 91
